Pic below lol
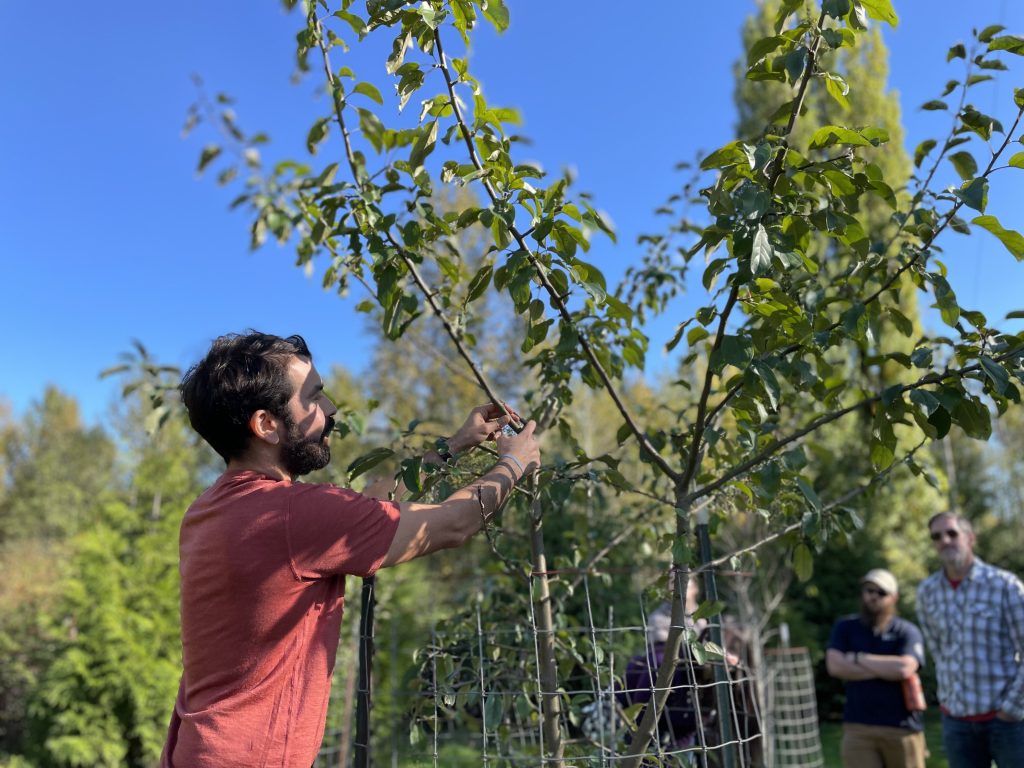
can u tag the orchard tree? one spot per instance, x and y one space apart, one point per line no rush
814 247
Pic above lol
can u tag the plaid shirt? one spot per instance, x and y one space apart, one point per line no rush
976 635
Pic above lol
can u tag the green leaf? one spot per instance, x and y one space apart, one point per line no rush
1008 43
357 24
934 104
836 8
974 418
809 493
989 32
316 134
922 151
424 144
838 89
763 47
795 62
1013 241
735 350
707 609
496 13
881 454
881 10
982 124
803 562
368 461
372 128
828 135
209 154
974 194
958 51
761 253
996 374
965 165
1017 161
479 283
370 91
730 154
412 473
695 334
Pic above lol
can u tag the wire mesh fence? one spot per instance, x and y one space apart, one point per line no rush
475 692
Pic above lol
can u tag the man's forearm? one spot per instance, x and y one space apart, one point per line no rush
488 493
842 666
888 667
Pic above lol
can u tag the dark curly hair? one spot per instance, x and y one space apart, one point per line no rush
241 374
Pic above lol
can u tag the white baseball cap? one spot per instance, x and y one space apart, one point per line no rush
883 579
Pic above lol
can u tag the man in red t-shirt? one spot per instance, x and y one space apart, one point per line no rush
264 559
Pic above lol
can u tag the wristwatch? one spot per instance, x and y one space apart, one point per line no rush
444 451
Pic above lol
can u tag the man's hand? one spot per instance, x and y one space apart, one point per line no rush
522 447
484 423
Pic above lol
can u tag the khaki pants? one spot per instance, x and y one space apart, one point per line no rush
879 746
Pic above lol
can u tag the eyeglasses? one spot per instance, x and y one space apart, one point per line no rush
869 590
953 533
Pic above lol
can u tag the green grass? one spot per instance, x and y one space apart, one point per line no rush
832 733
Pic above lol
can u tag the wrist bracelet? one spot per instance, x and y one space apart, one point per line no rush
522 469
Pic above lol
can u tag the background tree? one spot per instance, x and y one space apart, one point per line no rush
811 247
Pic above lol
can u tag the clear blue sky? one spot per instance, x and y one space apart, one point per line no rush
106 234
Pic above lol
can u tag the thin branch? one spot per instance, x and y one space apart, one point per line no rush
556 299
409 263
771 450
844 499
693 455
918 253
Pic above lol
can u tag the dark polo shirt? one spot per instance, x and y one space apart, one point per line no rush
877 701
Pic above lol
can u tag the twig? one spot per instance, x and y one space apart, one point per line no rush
556 299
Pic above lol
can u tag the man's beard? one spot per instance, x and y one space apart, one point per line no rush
302 455
955 557
874 614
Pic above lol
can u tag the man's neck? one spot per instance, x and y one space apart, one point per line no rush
958 573
258 464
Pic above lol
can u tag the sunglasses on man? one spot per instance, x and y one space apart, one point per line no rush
952 533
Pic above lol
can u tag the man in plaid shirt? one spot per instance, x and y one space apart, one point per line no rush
972 618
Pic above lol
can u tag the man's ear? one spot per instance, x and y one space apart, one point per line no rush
266 426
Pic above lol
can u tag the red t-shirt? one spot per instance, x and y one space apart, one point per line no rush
263 565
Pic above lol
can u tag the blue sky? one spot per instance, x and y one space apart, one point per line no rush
107 234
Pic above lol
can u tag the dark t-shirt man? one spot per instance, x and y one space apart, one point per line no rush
878 701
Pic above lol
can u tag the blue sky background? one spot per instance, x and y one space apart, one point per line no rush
107 234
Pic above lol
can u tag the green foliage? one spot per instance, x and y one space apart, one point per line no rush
88 616
818 241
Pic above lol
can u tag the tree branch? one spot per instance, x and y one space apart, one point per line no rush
556 299
771 450
428 295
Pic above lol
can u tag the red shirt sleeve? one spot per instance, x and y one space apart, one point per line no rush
334 530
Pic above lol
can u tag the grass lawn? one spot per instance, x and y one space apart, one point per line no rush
831 733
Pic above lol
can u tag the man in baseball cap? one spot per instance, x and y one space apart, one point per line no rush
874 652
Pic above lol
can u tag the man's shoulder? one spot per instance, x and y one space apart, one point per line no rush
987 572
849 623
905 627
